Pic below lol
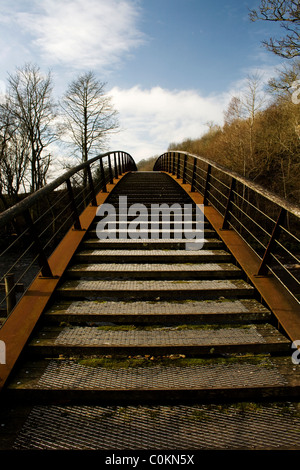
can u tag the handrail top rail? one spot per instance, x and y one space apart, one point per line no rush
19 207
290 207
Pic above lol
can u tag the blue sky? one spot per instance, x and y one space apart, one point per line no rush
171 66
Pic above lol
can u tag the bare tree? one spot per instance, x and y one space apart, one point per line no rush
32 111
287 13
14 153
89 115
282 86
253 102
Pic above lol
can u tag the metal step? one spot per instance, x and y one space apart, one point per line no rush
164 348
135 289
132 340
159 312
145 243
154 271
94 234
152 256
145 381
243 425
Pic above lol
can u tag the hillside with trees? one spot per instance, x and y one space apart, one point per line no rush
260 137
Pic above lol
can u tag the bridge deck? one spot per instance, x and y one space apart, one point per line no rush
148 345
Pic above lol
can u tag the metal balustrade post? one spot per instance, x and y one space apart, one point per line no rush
207 185
194 175
76 220
92 187
173 165
119 164
178 165
122 162
225 225
103 175
42 258
184 170
111 178
116 166
263 269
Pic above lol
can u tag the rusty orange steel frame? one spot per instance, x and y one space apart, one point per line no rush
260 230
79 192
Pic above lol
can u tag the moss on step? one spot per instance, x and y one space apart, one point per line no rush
173 360
193 326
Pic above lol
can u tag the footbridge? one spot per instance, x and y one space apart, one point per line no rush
150 310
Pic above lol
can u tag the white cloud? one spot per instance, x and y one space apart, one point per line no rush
81 33
153 118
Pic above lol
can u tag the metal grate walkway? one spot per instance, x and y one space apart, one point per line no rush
146 344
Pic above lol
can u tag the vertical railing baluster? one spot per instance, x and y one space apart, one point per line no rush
207 185
119 164
116 166
103 175
42 258
178 165
194 175
225 225
263 269
184 170
122 162
92 188
111 178
76 220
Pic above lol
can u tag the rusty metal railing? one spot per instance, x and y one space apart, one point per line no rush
269 224
31 229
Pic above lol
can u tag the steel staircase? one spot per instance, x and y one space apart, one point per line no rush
148 345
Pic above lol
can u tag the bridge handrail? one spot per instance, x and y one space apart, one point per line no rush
289 206
47 216
268 223
30 200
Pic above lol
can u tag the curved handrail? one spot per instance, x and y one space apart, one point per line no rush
48 215
29 201
268 223
287 205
